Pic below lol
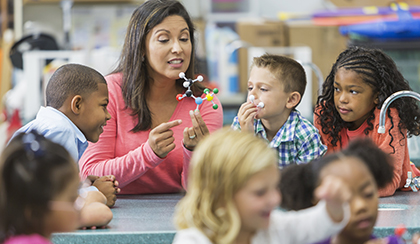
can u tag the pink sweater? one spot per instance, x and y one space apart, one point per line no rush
129 157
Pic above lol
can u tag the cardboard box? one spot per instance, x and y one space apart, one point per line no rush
325 41
258 33
365 3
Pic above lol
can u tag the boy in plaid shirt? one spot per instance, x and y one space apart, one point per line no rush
275 87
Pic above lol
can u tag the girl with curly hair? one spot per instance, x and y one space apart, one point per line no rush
353 93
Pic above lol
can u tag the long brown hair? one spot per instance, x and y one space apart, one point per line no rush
132 65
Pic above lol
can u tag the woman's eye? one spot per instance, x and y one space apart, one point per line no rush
249 88
353 92
263 89
184 39
163 40
336 89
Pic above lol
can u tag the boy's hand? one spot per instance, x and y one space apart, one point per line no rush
246 115
195 133
89 180
109 187
335 192
161 138
92 178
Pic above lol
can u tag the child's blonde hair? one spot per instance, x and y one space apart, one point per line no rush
221 165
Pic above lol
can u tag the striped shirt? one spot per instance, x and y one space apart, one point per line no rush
297 141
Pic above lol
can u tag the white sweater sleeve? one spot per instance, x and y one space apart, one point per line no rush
305 226
190 236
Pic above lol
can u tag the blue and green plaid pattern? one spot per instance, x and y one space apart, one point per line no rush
297 141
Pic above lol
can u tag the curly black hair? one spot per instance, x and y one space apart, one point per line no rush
379 71
298 182
297 187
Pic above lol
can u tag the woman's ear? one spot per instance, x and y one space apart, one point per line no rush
76 104
293 100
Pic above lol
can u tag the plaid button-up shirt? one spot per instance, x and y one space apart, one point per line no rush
297 141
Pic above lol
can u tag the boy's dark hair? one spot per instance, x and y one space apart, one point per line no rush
286 70
71 80
380 72
33 170
298 183
133 63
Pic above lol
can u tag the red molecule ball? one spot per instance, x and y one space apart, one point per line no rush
400 230
179 97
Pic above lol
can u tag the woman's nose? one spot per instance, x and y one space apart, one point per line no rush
176 47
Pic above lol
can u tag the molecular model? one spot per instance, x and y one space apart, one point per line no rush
412 182
252 98
198 100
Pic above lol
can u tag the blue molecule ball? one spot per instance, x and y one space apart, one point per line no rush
198 100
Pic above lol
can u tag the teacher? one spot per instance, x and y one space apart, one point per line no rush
148 142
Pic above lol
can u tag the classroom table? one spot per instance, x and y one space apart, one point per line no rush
149 219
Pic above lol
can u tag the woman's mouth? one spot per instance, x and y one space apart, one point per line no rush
176 63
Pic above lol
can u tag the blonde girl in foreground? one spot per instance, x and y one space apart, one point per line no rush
233 192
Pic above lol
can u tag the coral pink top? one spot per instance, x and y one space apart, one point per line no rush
128 155
401 157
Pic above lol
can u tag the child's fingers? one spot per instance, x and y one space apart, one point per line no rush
245 107
250 115
92 177
249 111
333 188
110 177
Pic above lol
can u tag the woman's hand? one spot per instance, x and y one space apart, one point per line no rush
246 115
161 138
195 133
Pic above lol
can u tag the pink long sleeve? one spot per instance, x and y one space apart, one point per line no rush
129 157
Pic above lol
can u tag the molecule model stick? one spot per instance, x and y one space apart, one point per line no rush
252 99
198 100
